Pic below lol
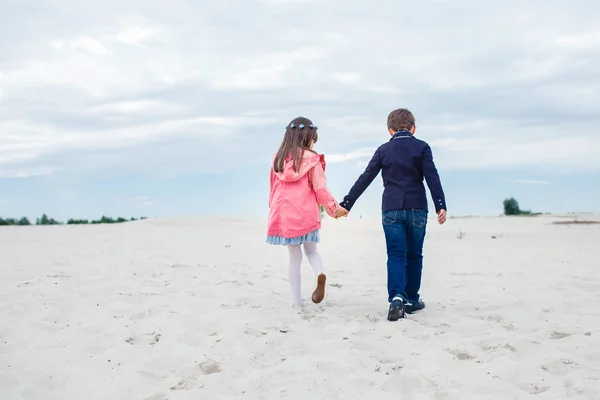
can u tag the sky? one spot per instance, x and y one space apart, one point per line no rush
153 108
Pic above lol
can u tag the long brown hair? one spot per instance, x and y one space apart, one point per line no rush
299 135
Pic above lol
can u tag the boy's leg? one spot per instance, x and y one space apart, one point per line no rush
416 229
394 227
294 273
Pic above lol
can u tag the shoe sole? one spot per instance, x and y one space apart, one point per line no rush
396 313
319 293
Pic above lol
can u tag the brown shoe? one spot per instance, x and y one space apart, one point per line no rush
319 293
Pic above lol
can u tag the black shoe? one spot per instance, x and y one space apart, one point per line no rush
411 308
396 310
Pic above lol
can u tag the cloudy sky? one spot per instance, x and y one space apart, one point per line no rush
174 108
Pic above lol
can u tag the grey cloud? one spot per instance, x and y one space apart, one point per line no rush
87 85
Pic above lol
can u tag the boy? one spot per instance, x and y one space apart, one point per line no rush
404 162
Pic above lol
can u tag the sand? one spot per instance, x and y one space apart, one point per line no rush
200 309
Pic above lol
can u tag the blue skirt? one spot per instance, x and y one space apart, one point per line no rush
312 237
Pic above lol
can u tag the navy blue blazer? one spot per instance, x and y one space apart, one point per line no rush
404 161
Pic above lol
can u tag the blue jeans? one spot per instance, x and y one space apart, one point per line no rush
404 237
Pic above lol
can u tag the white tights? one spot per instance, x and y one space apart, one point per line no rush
310 249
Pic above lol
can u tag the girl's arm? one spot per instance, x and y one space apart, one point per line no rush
318 182
272 177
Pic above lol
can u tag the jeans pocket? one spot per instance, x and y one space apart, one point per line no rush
388 218
419 219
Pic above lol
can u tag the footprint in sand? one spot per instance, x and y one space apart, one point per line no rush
389 366
255 332
559 335
372 318
560 367
440 329
190 380
509 347
158 396
235 283
144 340
187 383
493 348
461 355
306 316
502 322
533 388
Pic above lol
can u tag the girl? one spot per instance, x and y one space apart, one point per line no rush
298 187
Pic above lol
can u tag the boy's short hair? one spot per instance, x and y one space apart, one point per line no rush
400 119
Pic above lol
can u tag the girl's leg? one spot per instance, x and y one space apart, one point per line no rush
294 273
314 258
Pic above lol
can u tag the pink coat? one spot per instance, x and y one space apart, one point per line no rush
295 197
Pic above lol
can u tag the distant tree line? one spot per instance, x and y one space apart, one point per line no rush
45 220
103 220
12 221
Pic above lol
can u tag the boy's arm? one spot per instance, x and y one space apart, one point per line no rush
433 180
363 181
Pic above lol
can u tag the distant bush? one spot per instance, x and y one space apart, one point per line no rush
77 222
511 207
107 220
44 220
24 221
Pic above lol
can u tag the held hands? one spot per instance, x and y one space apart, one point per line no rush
441 217
341 213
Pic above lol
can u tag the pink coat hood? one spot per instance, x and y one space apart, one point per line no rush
296 195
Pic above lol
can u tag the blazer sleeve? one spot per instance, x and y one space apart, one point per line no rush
433 180
363 181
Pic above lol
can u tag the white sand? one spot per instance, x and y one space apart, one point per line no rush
199 309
